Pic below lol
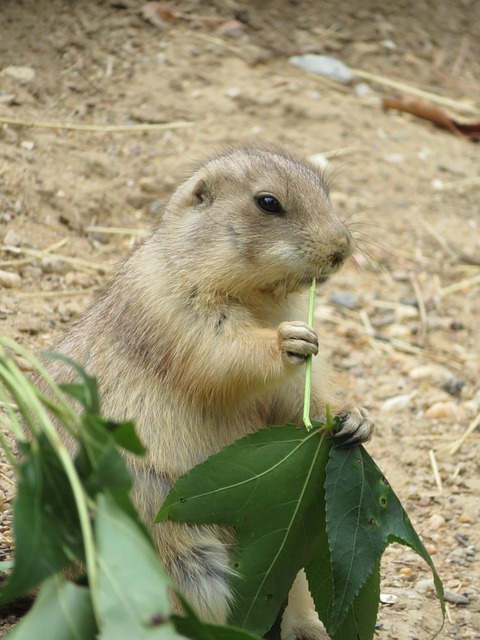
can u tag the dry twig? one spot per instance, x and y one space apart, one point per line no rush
470 429
116 230
98 128
423 330
436 473
406 88
459 286
78 262
439 238
56 294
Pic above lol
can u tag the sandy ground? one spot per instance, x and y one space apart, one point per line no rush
407 344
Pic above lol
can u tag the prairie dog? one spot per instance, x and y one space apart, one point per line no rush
198 339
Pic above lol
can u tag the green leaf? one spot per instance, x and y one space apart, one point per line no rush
125 436
359 623
62 611
86 391
363 516
269 487
132 584
45 520
190 626
100 465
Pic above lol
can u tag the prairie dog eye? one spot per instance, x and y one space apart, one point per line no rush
269 204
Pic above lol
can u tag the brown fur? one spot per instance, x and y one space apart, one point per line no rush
194 339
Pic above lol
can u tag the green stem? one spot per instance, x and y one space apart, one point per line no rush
40 369
308 364
329 419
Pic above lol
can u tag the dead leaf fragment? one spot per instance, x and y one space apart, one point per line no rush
159 14
428 111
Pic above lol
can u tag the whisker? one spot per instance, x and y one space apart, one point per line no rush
369 224
368 239
355 262
371 261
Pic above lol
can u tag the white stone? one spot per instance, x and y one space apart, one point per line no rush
324 66
22 74
397 403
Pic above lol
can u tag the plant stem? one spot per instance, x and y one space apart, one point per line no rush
329 419
40 369
308 363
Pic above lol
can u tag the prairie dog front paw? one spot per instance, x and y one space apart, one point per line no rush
355 427
297 340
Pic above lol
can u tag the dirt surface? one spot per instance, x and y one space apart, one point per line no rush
406 346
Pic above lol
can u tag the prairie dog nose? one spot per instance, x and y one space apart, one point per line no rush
344 248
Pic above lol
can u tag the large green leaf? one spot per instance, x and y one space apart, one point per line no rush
359 622
271 487
268 486
190 626
62 611
363 516
132 584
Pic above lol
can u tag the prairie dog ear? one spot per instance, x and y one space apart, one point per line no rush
202 193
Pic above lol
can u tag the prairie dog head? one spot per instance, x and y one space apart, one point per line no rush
255 219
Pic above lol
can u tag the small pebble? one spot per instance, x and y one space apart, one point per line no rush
10 280
401 275
433 372
425 586
12 239
455 598
399 331
395 158
442 411
7 98
53 265
24 365
32 326
425 500
465 518
436 521
406 312
232 28
362 89
453 385
78 279
22 74
233 92
388 598
397 403
344 299
409 301
324 66
32 273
